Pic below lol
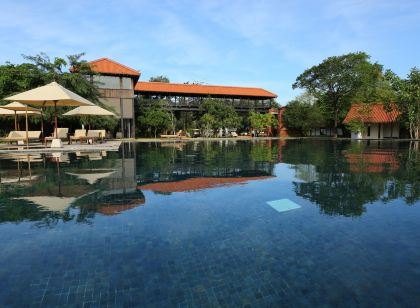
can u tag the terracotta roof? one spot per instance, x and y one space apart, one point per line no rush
372 113
111 67
372 161
196 89
197 184
114 209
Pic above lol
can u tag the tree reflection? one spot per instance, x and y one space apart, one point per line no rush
342 177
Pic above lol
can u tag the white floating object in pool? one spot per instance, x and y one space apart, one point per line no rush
283 205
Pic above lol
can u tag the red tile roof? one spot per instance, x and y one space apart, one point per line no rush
114 209
372 113
196 89
372 161
108 66
197 184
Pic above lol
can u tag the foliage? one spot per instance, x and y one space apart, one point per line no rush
161 78
356 125
408 99
304 113
338 80
222 114
261 121
72 73
208 124
156 118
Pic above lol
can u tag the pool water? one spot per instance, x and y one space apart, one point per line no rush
190 224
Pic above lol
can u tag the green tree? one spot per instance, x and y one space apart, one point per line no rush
161 78
408 99
261 121
338 80
72 73
207 123
304 113
156 119
224 115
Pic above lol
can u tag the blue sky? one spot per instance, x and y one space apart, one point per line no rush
246 43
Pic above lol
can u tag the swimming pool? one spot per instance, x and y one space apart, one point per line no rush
221 223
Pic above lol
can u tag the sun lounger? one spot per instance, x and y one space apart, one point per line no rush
61 132
94 135
79 134
177 135
16 136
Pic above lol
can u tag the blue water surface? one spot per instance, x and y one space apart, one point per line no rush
188 224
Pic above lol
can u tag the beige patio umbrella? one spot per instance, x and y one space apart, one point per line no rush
7 112
92 178
49 95
51 203
89 111
16 106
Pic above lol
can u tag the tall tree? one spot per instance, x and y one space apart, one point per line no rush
408 99
72 72
155 118
223 115
161 78
337 80
304 113
261 121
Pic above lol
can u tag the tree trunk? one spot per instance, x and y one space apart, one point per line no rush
335 123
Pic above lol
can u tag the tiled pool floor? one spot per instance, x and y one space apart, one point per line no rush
217 247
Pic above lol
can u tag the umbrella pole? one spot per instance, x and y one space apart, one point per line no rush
42 123
16 128
55 114
27 137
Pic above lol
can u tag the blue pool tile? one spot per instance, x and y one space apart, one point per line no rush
283 205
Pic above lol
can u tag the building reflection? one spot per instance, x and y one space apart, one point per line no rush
373 161
340 177
195 184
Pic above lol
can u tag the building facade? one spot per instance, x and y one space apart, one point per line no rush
116 84
380 122
188 97
119 85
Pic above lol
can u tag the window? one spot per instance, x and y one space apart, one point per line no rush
368 131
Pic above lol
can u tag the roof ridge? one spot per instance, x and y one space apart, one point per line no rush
202 85
115 62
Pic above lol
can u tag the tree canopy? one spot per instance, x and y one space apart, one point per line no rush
340 80
222 114
304 113
408 99
155 118
71 73
161 78
261 121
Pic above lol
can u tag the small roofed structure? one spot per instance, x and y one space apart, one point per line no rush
380 120
116 84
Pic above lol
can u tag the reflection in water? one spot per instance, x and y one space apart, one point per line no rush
78 230
340 177
195 184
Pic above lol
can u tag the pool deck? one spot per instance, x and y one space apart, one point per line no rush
112 145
